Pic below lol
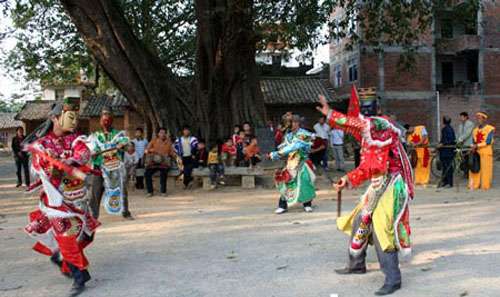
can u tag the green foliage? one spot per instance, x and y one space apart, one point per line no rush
49 49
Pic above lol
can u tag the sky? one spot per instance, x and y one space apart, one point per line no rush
9 86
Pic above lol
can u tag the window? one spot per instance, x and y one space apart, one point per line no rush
353 70
446 28
338 76
59 94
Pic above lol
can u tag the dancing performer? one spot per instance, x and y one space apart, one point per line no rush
382 213
483 138
419 139
295 182
107 147
63 225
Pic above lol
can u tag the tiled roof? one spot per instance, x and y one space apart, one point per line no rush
7 120
35 110
92 106
294 90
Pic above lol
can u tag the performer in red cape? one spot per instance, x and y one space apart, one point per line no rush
63 225
382 215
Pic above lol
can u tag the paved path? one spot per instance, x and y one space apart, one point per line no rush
228 243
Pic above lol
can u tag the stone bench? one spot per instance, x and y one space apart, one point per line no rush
247 175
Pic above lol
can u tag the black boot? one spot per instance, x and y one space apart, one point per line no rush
388 289
56 259
80 277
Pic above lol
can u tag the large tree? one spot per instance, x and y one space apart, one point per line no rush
143 46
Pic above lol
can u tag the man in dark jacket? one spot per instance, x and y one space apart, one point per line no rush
447 153
21 158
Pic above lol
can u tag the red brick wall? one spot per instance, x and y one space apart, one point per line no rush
412 112
492 107
369 70
418 80
491 21
491 73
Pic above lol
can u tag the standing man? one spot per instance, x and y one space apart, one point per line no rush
295 182
185 147
483 138
158 154
464 138
337 142
140 148
322 130
419 139
21 158
107 135
381 217
447 153
63 225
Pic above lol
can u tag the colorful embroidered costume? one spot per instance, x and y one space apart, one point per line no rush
483 137
420 140
295 182
109 159
382 212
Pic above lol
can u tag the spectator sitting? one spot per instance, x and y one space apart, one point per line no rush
252 153
215 166
201 154
158 154
236 134
131 160
240 146
317 151
229 152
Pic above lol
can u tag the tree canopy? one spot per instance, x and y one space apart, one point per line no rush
145 46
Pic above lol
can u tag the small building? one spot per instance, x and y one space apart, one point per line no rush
298 95
8 126
35 112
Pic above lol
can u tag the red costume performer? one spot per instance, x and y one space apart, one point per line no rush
63 225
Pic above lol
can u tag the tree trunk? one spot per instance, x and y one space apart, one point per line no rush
228 90
150 87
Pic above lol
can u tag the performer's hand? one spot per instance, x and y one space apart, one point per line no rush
324 108
342 183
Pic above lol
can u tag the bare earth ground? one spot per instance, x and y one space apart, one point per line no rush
228 243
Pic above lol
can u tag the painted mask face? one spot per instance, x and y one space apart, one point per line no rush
68 120
106 121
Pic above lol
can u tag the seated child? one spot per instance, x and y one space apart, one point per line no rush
252 153
229 152
130 160
240 146
216 166
201 154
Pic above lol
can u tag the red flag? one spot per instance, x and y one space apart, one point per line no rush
353 110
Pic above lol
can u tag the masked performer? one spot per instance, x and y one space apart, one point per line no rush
107 147
295 182
382 216
483 138
63 225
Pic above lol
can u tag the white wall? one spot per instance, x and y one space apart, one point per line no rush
49 94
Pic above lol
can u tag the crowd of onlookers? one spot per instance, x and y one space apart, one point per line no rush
144 159
241 149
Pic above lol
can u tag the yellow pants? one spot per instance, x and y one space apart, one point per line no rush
483 178
422 174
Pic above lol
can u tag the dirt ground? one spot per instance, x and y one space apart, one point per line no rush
228 242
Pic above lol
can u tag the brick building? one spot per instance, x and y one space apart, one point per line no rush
457 58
